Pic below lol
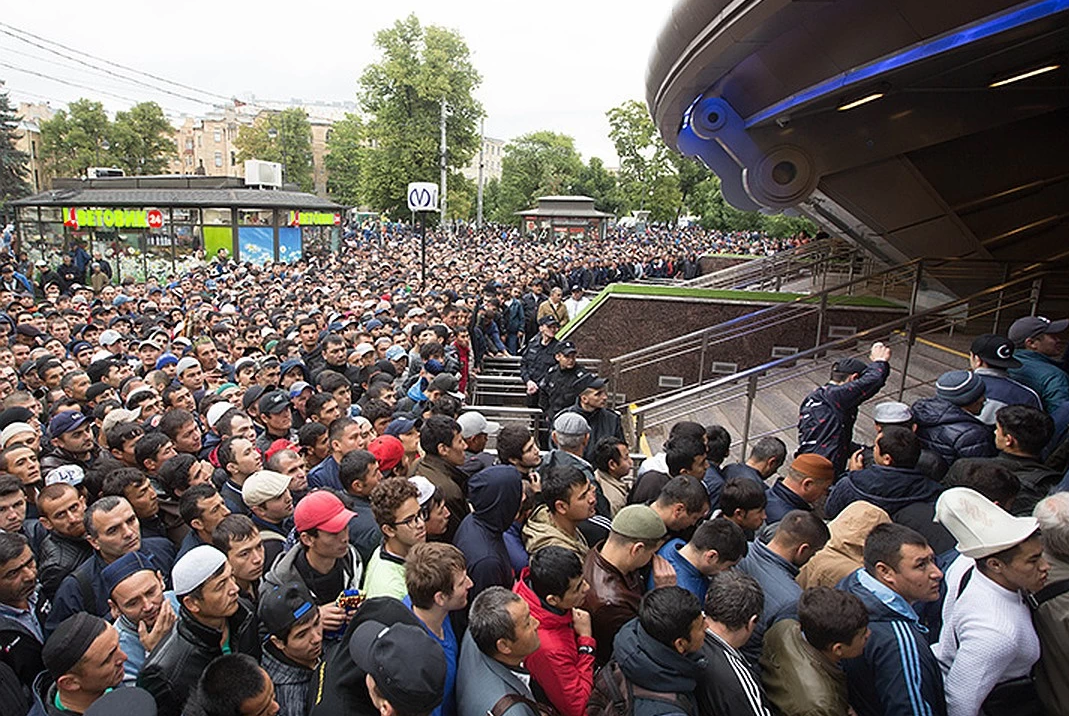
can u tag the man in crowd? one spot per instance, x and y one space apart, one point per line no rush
990 357
1020 435
948 424
294 644
359 473
21 635
716 545
443 454
202 508
82 661
270 503
61 509
345 435
145 612
1039 350
766 456
395 506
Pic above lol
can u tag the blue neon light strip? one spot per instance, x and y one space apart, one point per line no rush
921 51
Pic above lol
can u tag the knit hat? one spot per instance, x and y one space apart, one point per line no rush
892 413
813 466
638 522
12 430
185 364
69 642
195 568
216 411
129 564
959 387
981 527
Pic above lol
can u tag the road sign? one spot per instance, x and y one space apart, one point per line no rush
422 196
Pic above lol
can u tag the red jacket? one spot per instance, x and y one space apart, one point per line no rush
564 674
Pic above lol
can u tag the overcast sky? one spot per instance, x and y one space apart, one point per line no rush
552 64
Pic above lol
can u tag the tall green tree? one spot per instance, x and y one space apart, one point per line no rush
284 137
600 184
143 140
13 163
402 96
536 164
645 161
77 138
346 150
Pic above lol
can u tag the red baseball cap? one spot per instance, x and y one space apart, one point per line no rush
323 510
280 445
388 450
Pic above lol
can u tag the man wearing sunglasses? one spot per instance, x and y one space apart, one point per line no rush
395 504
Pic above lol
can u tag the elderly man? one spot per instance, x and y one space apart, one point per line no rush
1052 604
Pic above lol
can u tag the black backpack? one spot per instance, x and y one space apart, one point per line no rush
614 695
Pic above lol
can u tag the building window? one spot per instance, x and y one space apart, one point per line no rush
200 141
189 161
189 143
233 159
218 136
218 159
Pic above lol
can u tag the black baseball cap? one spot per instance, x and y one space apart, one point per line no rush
994 350
274 402
567 347
252 395
548 320
850 366
283 606
408 668
590 381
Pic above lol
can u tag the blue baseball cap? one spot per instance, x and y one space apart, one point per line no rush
65 422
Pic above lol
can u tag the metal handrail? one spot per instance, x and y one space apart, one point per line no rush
771 271
731 387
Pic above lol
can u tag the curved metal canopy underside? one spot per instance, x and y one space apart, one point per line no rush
936 163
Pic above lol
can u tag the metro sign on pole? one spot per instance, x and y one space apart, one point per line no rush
422 196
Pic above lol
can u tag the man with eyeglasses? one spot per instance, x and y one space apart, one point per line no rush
395 504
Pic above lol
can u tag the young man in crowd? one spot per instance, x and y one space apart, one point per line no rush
395 505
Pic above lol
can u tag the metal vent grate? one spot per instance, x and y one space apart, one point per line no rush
841 332
669 381
722 368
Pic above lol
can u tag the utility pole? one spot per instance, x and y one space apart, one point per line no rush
443 167
479 194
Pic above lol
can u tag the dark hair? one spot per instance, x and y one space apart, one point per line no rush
1006 555
830 616
667 614
742 493
104 504
173 420
558 482
232 527
388 496
225 452
1031 428
606 450
223 425
330 381
511 440
168 393
733 598
681 452
119 434
686 490
311 431
800 527
148 447
552 570
354 467
9 485
686 429
225 684
990 479
117 481
901 444
338 428
12 545
438 430
315 404
173 474
187 503
723 535
718 440
765 448
489 619
376 410
884 544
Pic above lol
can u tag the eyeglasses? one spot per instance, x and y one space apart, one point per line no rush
415 519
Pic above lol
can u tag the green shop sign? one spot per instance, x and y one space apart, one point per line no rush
314 218
113 218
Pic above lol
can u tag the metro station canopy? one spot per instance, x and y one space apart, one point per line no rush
916 128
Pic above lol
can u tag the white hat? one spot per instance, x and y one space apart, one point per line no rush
185 364
473 423
262 486
195 567
117 416
981 527
70 474
426 488
110 337
362 349
216 411
12 430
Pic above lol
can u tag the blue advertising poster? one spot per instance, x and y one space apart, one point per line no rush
289 243
257 243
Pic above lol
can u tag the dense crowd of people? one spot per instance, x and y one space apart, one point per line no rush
257 490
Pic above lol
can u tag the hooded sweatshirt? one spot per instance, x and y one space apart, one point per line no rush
650 664
843 554
541 531
889 488
495 494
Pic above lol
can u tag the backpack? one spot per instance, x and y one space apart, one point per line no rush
614 695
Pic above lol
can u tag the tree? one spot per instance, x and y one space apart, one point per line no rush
77 138
599 183
402 95
645 160
346 147
13 163
536 164
143 140
692 172
284 137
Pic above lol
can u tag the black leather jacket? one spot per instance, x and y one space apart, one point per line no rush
59 556
172 669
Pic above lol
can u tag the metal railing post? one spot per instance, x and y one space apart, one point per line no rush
615 388
820 318
1033 299
916 287
751 394
998 306
701 360
639 422
911 336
